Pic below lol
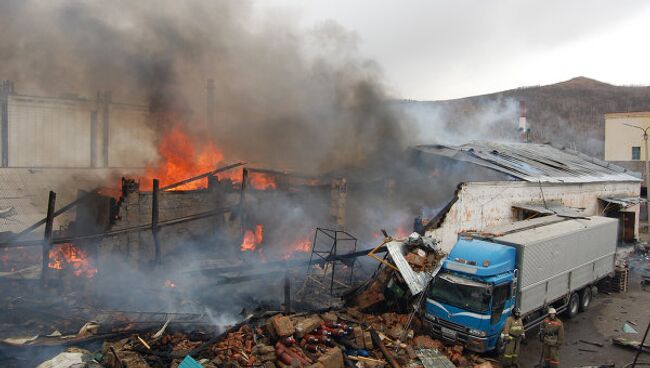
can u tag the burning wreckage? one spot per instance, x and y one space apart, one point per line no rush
377 325
111 276
135 280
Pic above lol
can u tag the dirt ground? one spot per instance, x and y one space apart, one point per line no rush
602 321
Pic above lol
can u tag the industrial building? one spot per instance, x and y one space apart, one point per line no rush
498 183
624 145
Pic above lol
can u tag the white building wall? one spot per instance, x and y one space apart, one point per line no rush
131 139
485 204
48 132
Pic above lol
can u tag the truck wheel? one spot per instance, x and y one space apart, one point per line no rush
585 299
574 306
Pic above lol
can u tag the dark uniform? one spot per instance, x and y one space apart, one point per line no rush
513 334
552 333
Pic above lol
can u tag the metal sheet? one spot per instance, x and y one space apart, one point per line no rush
432 358
624 202
535 162
416 281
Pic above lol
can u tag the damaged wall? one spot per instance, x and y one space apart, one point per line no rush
137 248
484 204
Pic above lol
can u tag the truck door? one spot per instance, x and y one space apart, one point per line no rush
500 295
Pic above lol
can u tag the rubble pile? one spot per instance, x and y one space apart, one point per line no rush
404 273
331 339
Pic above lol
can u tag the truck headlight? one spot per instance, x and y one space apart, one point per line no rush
477 332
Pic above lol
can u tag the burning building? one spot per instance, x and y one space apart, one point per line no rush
493 183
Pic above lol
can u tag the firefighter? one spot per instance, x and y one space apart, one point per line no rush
513 333
552 336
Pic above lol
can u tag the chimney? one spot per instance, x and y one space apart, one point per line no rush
524 131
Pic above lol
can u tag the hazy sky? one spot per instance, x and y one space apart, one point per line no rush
441 49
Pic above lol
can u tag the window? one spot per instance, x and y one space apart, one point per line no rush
461 292
636 153
500 295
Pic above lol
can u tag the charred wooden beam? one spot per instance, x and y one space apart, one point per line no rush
47 236
154 220
56 214
170 222
242 197
380 344
204 175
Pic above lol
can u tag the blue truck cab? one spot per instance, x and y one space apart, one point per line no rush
470 298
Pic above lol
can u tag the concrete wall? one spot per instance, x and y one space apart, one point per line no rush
45 132
484 204
49 132
131 140
137 248
619 138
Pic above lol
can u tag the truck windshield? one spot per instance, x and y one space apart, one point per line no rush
461 292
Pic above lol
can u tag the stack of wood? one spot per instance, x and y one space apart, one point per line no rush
619 282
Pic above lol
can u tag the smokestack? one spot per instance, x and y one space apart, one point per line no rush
523 123
210 108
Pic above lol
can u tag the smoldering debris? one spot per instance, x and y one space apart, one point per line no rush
326 338
323 336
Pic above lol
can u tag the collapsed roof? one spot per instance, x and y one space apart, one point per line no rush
534 162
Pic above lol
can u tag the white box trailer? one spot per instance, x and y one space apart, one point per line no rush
531 264
557 257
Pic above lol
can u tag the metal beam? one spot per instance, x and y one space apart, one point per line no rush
154 220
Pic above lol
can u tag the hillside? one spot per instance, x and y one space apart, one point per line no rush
568 113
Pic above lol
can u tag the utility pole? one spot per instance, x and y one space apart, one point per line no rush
647 169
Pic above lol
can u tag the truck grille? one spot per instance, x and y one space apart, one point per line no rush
452 325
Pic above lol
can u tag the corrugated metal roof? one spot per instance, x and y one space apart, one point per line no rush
535 162
534 234
624 202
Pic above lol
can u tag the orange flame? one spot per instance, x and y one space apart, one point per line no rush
262 181
302 245
67 256
252 238
183 158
